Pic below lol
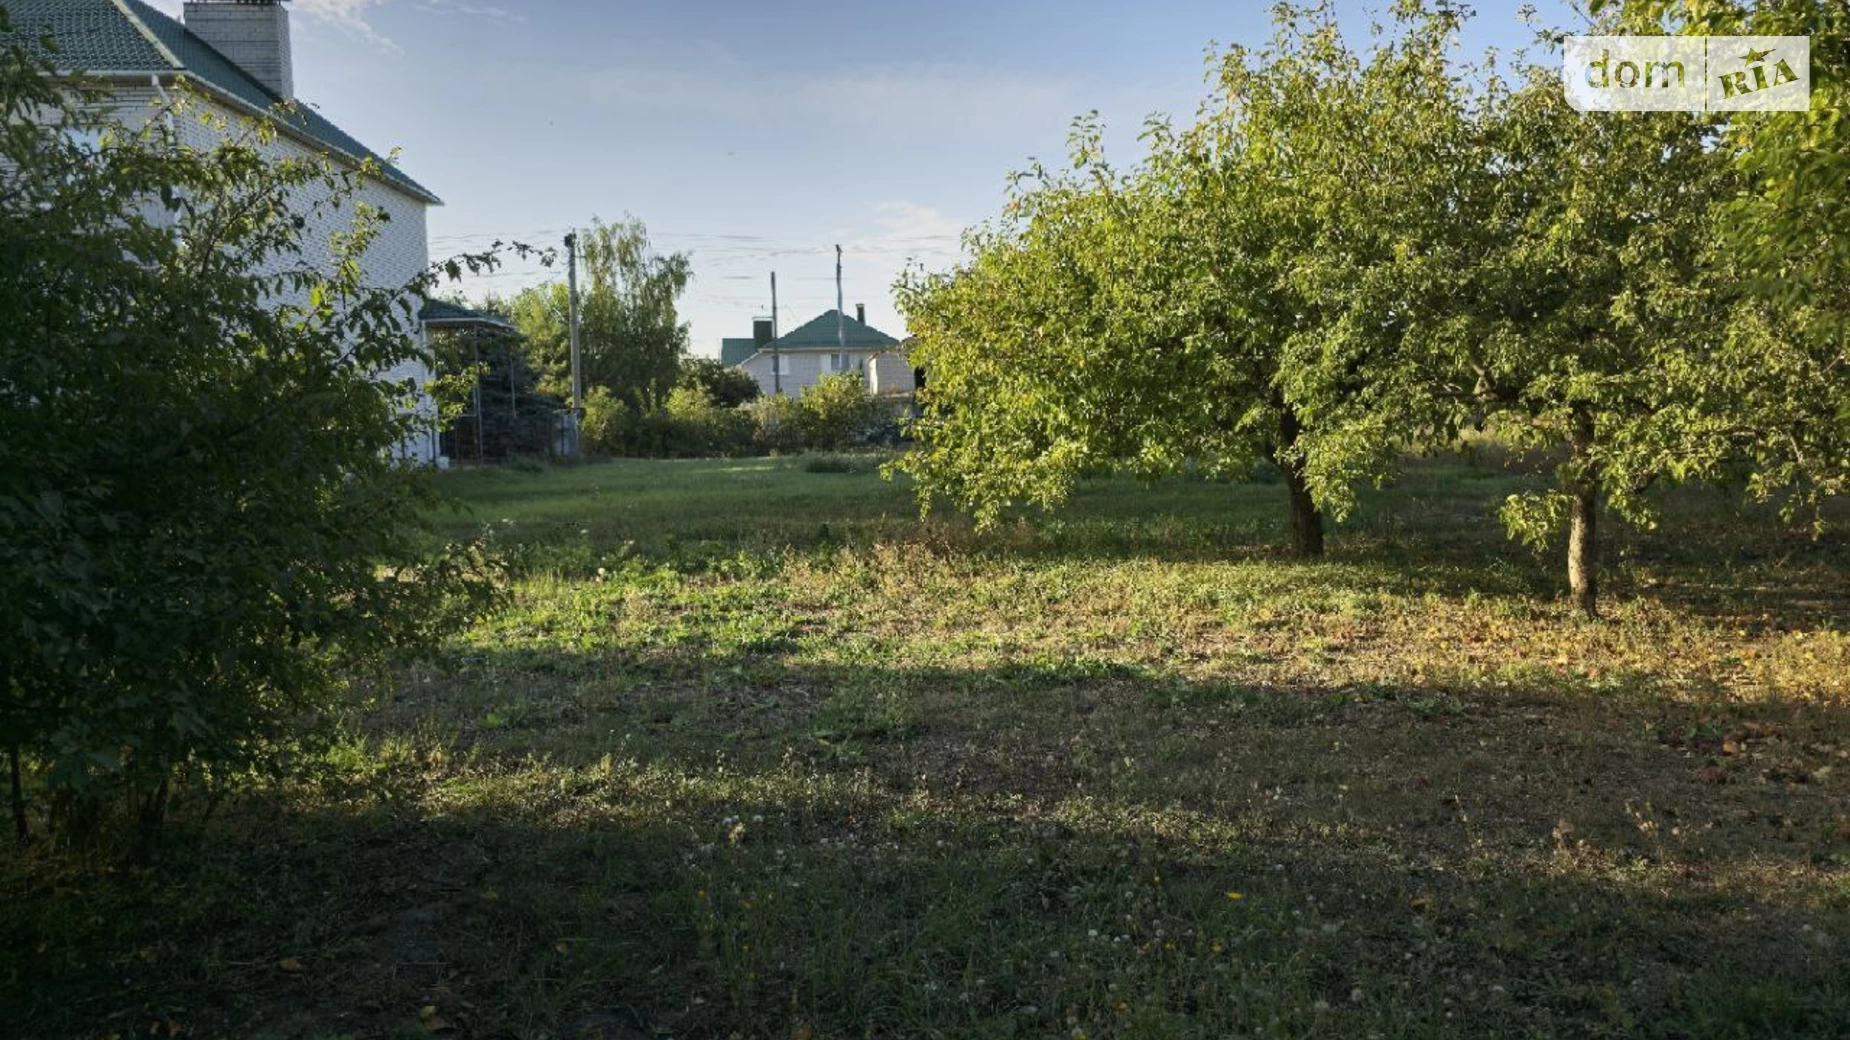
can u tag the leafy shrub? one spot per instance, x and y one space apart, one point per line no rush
774 427
703 427
690 424
609 423
726 386
836 412
205 527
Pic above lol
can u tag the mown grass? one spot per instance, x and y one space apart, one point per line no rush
757 752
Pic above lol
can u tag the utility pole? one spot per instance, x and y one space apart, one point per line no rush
841 320
777 359
578 386
475 347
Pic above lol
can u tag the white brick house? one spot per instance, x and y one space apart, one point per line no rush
234 55
823 346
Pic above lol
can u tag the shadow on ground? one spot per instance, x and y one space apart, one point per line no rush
799 850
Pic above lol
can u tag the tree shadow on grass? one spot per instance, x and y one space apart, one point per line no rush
1749 782
656 898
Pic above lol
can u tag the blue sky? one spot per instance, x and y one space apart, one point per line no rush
756 136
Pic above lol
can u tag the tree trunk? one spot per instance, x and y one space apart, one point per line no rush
1583 529
1583 551
1306 518
21 831
153 814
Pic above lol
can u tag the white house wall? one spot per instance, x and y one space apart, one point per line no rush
807 367
399 252
890 373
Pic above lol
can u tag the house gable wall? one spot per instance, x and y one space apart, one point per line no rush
805 368
399 253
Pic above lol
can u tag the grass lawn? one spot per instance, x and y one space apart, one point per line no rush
758 753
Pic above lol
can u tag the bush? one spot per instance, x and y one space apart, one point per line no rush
608 424
702 427
774 428
689 425
837 412
726 386
205 529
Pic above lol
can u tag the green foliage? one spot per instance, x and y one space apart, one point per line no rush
727 386
1183 314
707 427
608 425
1353 253
1587 298
485 379
1782 253
835 412
689 424
774 429
631 338
204 524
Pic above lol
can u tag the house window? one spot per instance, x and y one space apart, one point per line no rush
783 365
843 363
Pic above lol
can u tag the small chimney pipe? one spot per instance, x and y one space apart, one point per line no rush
860 313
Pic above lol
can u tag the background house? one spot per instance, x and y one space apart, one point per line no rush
822 347
235 57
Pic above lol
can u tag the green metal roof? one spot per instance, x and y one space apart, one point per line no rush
131 37
734 350
440 314
89 34
819 333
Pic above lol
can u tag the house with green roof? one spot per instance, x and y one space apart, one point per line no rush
736 350
828 344
233 59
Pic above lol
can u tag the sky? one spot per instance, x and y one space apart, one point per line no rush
757 136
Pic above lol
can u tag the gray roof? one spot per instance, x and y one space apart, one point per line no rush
819 333
107 36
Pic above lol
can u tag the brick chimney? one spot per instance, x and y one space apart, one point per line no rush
254 34
860 313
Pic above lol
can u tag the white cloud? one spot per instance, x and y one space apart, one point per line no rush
937 99
909 230
351 16
489 11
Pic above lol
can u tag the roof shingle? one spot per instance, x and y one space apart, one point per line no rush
102 36
819 333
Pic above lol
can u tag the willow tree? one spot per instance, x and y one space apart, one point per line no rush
631 336
1158 318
